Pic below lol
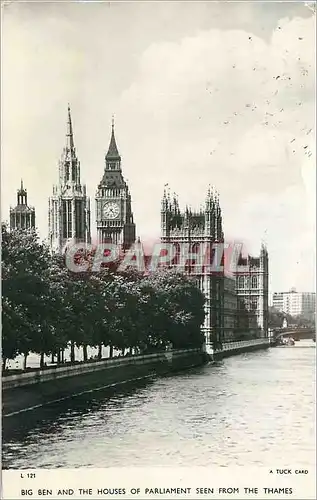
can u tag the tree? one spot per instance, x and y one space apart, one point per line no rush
25 262
180 312
47 307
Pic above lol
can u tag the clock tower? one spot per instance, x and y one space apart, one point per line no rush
113 202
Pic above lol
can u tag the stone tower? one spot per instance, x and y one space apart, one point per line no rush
22 216
203 229
252 285
69 206
114 215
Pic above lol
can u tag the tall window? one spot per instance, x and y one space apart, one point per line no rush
69 219
241 282
66 171
73 171
254 304
254 282
64 219
79 219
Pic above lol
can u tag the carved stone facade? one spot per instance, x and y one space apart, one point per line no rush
69 206
203 227
252 284
230 308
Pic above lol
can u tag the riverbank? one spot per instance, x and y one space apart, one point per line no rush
30 390
238 347
209 415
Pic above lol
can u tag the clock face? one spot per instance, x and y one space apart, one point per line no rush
111 210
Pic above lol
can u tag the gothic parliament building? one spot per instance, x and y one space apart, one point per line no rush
235 304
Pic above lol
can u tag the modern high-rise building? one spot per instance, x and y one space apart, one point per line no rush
69 206
252 283
114 216
198 228
22 216
295 303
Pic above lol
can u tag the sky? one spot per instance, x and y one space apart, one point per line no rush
202 92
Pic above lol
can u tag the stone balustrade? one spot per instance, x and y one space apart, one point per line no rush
58 372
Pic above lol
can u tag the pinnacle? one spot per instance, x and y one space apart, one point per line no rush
69 133
113 153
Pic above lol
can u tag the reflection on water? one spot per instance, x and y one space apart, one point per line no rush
252 409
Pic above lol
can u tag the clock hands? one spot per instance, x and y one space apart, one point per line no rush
111 210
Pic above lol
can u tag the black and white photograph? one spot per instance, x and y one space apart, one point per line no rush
158 199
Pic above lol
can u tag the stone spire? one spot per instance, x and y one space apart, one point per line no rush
22 195
69 134
164 203
69 206
69 165
113 153
175 205
209 203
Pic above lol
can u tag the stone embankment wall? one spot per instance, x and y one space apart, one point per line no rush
233 348
30 390
26 391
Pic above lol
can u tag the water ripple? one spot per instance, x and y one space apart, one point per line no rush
253 409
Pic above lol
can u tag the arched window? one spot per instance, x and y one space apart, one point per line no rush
241 282
254 282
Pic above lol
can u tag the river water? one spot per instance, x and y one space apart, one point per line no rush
252 409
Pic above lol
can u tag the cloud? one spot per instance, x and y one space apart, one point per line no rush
215 93
229 108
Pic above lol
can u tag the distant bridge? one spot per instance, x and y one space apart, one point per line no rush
295 333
